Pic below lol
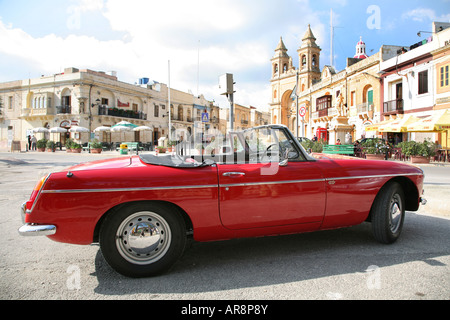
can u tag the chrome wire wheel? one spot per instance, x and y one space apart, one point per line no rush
395 213
143 238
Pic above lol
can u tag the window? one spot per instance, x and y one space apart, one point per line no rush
156 111
352 98
423 82
443 76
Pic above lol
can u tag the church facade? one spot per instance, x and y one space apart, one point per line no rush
328 104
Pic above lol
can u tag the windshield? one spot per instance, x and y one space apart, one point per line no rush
257 145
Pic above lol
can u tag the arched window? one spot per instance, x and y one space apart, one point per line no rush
314 60
275 68
303 61
180 113
275 94
285 68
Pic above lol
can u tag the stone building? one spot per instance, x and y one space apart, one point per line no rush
92 99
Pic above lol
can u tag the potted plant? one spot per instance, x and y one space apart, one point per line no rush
375 149
419 152
161 149
76 148
171 144
41 145
51 145
68 145
313 146
96 146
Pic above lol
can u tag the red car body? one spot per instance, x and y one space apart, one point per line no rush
220 200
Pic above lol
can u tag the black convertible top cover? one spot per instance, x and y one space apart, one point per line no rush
175 161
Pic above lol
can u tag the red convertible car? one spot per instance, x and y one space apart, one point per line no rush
142 209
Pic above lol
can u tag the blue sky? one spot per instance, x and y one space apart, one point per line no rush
136 38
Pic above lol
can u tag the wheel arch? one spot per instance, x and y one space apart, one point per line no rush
169 205
410 191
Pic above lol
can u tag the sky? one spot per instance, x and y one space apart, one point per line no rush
202 39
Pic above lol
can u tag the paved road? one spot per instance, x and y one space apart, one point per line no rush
337 264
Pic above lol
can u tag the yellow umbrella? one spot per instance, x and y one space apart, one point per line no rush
398 125
376 126
439 121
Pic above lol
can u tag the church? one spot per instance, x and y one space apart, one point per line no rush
328 104
286 78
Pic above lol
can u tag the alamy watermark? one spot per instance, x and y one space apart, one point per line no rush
374 20
73 281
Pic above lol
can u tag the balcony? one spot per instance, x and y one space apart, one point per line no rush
63 109
365 110
393 107
104 110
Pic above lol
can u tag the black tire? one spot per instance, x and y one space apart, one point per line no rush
388 213
143 239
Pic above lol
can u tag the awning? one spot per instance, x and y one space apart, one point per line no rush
398 125
376 126
439 121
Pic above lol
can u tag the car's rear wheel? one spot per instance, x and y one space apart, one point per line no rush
143 239
388 213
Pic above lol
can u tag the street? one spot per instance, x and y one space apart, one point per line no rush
328 265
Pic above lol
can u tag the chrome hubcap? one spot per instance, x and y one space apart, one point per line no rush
143 238
395 213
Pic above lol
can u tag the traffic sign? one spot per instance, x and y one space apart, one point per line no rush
302 112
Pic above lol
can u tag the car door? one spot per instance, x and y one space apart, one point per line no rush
265 194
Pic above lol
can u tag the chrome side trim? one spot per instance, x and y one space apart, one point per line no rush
245 184
129 189
376 176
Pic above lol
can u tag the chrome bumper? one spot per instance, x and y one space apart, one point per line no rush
423 201
29 229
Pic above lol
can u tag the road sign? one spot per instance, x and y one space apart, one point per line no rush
302 112
205 117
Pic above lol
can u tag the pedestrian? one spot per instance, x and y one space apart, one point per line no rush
348 138
338 143
29 143
314 139
33 143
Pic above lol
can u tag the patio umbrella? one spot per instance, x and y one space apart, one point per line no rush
125 124
40 130
118 128
439 121
376 126
143 128
102 129
57 130
79 129
398 125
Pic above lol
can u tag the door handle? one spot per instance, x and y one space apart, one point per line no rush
231 174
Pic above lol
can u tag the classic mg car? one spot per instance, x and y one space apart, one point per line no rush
259 182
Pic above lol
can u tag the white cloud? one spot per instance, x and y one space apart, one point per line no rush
425 14
229 36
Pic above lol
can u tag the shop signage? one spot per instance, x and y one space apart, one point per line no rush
121 104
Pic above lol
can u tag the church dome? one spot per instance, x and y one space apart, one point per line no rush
360 50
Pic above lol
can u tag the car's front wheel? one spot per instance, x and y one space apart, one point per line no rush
143 239
388 213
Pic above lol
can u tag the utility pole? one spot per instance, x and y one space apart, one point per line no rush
332 36
170 113
226 85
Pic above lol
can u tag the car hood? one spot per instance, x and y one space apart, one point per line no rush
106 164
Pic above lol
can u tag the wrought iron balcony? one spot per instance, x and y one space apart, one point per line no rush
63 109
393 106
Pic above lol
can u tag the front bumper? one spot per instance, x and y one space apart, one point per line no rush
30 229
